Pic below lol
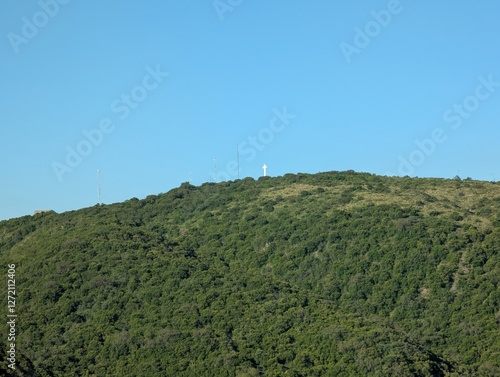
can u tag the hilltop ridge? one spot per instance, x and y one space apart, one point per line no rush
337 273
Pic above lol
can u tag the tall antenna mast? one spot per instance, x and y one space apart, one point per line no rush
215 169
238 159
99 185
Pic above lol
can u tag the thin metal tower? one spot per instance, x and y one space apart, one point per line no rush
215 169
99 185
238 160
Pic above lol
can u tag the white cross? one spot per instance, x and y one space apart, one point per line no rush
265 170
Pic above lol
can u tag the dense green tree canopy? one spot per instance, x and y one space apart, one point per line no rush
333 274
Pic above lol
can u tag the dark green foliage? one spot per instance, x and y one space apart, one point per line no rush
333 274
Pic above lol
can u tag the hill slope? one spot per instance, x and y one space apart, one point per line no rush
333 274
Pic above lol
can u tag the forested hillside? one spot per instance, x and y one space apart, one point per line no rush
332 274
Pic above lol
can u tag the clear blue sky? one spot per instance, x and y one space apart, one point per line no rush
354 90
